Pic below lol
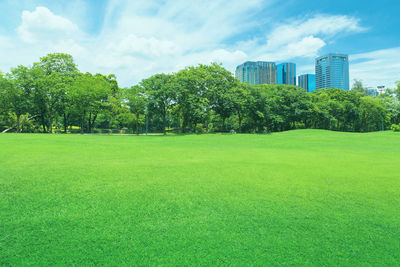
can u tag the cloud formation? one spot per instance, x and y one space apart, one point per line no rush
380 67
141 38
42 24
305 37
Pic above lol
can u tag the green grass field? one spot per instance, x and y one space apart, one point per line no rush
306 197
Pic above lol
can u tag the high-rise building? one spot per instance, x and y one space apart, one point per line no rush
332 71
307 82
286 73
259 72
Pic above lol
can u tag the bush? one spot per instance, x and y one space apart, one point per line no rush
395 127
300 125
75 130
266 130
199 129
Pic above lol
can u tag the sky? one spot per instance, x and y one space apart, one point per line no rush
136 39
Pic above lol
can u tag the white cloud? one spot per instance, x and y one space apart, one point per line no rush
325 26
380 67
305 37
307 47
141 38
150 37
42 24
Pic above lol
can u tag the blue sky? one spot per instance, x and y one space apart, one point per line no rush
135 39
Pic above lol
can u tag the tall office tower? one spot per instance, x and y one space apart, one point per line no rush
332 71
307 82
286 73
259 72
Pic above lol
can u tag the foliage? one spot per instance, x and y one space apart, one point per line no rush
136 100
395 127
197 99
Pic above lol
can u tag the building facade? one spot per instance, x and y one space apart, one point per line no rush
307 82
259 72
286 73
332 71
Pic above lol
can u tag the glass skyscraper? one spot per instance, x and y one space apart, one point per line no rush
307 82
259 72
332 71
286 73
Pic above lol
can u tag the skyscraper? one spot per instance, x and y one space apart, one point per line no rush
259 72
286 73
307 82
332 71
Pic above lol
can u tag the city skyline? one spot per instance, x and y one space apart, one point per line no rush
331 71
136 39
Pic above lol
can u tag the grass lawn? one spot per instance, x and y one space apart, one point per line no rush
306 197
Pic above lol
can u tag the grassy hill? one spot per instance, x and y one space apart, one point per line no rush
306 197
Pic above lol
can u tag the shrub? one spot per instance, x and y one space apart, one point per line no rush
75 130
300 125
199 128
395 127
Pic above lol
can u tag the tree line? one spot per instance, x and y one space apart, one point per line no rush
52 95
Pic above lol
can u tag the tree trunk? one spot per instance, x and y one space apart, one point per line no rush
184 122
90 123
82 121
164 124
240 121
93 122
18 123
65 123
137 123
185 119
50 126
43 124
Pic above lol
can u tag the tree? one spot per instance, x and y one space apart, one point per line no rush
342 106
358 86
15 97
192 97
59 71
137 102
392 106
89 95
373 114
239 96
161 92
398 90
58 63
220 83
